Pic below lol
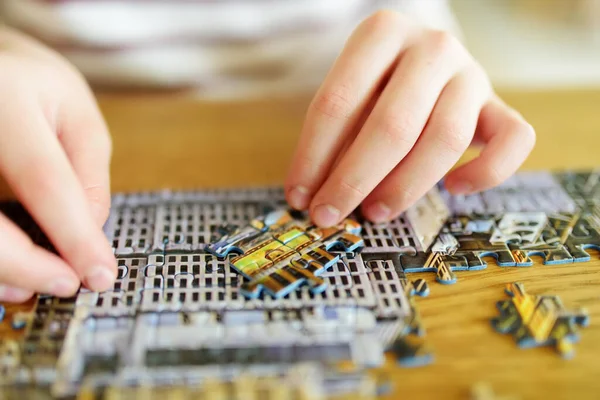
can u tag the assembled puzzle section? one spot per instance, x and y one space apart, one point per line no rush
531 214
535 191
143 222
181 316
178 305
103 342
536 321
584 188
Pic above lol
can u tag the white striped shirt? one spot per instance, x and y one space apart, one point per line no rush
222 47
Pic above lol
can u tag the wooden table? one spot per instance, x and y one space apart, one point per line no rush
170 141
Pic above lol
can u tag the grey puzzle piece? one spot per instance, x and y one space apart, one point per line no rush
523 192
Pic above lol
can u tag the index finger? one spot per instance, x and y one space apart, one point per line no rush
36 167
340 103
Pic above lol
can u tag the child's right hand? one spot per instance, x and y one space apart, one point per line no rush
54 154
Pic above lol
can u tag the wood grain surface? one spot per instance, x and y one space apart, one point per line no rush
172 141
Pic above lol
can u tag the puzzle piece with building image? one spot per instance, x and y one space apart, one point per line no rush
536 321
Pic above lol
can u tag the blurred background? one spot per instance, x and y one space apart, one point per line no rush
534 44
240 48
543 57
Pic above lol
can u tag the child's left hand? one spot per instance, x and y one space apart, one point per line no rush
396 112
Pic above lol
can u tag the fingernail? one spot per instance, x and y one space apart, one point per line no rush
9 293
461 187
378 212
326 215
299 198
63 287
99 279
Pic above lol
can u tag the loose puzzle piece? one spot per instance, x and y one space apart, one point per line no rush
282 250
411 351
539 320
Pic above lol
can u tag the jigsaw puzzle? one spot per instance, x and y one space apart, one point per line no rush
224 289
539 320
181 304
281 250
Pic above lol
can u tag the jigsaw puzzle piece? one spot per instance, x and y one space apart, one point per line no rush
442 265
346 242
243 239
234 241
261 258
551 256
281 281
538 320
504 258
293 252
585 234
419 288
509 320
410 351
578 250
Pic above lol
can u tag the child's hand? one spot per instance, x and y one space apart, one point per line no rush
54 153
398 109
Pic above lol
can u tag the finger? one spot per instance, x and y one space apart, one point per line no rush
87 144
447 135
357 74
392 128
354 133
79 125
35 166
509 140
14 295
25 267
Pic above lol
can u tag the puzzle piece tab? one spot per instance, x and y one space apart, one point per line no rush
539 320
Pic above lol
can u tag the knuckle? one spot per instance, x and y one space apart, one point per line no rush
99 200
384 20
403 197
98 195
453 137
306 161
306 169
478 75
76 249
336 103
397 130
353 189
442 42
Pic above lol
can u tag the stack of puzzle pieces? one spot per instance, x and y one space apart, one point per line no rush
187 317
